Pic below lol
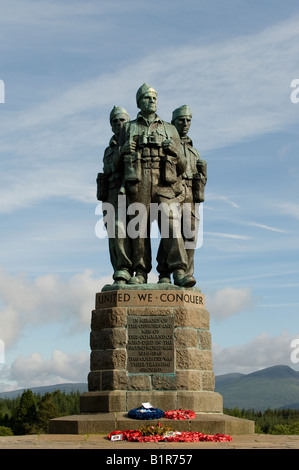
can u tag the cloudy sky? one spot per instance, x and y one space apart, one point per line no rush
64 65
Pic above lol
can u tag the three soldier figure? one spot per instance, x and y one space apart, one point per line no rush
153 163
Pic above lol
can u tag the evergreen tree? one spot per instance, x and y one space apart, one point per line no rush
25 414
47 410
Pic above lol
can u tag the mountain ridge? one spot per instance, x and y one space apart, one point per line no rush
275 387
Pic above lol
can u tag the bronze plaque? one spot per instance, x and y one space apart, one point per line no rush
150 344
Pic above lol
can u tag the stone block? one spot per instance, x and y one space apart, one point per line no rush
94 381
188 380
186 338
192 317
108 359
208 381
165 400
139 382
164 382
203 402
109 338
103 401
114 380
194 359
108 318
204 339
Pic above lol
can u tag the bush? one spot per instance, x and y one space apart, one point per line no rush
5 431
288 429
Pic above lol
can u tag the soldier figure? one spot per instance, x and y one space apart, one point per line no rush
193 181
109 188
153 161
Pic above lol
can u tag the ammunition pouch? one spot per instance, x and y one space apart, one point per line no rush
102 187
198 188
169 173
132 168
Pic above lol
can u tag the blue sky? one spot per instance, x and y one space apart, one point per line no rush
65 65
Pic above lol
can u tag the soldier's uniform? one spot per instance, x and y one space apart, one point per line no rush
112 180
193 181
196 168
151 176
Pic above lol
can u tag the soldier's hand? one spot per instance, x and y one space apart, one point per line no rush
129 147
169 147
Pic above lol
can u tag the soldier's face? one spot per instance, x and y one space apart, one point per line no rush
117 123
148 103
183 124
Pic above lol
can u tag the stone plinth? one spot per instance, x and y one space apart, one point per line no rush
150 345
104 423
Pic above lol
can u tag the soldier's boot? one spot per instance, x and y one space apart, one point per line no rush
139 278
121 276
164 278
181 279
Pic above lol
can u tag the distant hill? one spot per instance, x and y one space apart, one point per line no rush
67 388
227 378
274 387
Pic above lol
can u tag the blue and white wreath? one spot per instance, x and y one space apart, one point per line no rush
145 413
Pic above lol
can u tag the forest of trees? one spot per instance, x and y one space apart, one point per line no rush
30 414
270 421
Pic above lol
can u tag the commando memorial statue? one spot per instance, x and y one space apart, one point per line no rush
150 342
151 169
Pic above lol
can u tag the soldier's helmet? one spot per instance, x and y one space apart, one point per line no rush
118 110
181 111
145 88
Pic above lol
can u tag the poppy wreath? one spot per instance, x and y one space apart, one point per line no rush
179 414
145 413
137 436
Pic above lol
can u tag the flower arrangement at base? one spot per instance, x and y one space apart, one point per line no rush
179 414
161 433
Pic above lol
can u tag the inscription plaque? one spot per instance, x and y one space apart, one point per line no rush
150 345
161 298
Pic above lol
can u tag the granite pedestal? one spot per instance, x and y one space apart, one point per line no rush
150 344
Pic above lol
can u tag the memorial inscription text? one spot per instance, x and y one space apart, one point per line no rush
150 344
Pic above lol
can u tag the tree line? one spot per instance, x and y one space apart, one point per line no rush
30 414
270 421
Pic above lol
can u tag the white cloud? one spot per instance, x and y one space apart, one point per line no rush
229 301
289 208
46 299
34 371
263 351
217 197
233 236
267 227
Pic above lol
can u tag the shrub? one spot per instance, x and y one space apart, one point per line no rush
5 431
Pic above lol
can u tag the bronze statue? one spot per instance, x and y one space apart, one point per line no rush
109 188
193 181
153 166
